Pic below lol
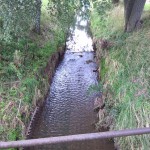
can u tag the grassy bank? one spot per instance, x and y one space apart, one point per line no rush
125 74
22 78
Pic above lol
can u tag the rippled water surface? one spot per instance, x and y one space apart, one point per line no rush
69 107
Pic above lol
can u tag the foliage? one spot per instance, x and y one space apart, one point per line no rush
147 7
64 11
125 73
17 17
102 6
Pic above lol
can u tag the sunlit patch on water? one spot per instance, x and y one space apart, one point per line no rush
79 40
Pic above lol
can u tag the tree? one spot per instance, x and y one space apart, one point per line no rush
38 16
133 11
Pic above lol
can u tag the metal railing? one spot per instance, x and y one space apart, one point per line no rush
74 138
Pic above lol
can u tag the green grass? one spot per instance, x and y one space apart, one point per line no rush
22 78
147 7
126 74
22 81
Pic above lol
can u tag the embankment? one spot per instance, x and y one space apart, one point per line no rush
47 73
26 69
124 72
25 80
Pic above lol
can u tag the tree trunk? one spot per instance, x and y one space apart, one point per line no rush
38 16
128 5
133 12
115 1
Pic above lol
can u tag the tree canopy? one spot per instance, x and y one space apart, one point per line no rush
18 17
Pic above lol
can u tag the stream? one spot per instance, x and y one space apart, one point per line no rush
68 108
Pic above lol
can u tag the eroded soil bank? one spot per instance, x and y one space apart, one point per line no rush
47 72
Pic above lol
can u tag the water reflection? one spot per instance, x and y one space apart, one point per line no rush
79 40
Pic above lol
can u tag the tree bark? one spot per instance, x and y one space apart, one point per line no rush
115 1
128 5
38 17
133 11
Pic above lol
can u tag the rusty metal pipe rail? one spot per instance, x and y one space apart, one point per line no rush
74 138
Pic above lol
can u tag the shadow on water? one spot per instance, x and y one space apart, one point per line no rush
69 108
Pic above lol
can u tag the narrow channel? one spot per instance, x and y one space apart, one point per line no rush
69 107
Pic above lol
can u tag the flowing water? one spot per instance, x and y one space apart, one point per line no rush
69 107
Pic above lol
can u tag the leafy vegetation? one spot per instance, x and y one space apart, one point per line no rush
23 57
22 82
17 17
125 73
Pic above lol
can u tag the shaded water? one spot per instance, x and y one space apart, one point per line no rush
69 107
